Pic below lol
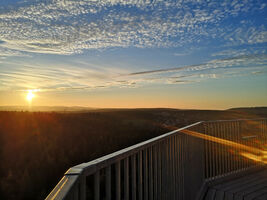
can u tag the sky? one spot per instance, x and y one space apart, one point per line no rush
113 53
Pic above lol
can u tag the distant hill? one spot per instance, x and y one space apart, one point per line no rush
250 110
86 109
45 108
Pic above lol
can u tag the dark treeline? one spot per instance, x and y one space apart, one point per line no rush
37 148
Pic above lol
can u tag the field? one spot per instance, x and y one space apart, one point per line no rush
36 148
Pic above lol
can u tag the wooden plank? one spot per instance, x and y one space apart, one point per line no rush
262 197
259 185
211 194
256 194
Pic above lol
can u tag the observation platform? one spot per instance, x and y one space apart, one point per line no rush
222 160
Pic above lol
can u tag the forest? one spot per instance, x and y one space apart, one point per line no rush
36 148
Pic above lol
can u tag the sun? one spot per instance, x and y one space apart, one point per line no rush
30 96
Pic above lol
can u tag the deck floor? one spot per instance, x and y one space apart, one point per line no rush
246 187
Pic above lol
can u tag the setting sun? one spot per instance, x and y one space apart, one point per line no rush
30 96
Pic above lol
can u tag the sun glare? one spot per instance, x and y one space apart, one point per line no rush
30 96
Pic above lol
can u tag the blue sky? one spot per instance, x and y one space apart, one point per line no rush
164 52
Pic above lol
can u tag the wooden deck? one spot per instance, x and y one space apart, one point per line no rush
251 185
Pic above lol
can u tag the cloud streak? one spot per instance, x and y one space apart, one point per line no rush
240 61
62 78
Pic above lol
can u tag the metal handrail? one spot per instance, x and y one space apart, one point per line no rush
155 168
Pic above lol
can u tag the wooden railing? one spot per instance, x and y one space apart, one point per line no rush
170 166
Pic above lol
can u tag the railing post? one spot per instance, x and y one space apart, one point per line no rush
140 176
118 180
83 187
133 172
150 168
145 175
159 173
96 186
108 183
155 164
126 179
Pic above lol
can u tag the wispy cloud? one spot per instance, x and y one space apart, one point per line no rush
61 78
213 64
7 52
237 52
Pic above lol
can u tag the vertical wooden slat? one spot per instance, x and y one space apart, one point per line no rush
167 178
172 168
159 170
231 148
207 157
179 169
118 180
235 148
96 186
164 170
215 153
228 148
83 187
182 143
239 157
145 175
76 192
224 149
126 179
225 153
239 141
133 176
108 183
140 176
175 167
218 152
211 164
155 164
150 168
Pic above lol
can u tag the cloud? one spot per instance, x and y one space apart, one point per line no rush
246 35
69 27
237 52
7 52
186 53
213 64
68 77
